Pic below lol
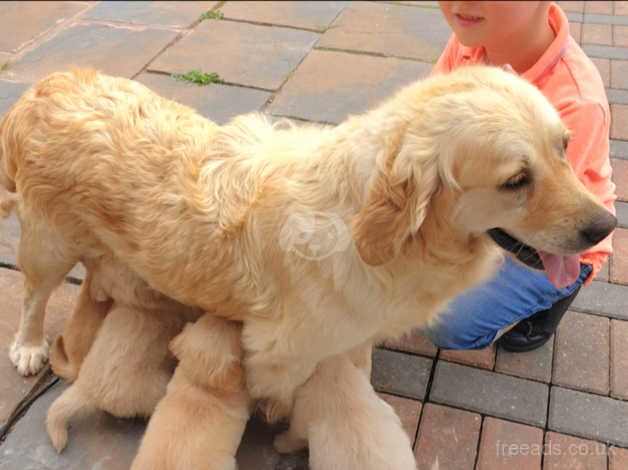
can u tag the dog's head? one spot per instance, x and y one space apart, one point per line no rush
484 149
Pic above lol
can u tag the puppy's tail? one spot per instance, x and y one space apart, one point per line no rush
60 363
61 411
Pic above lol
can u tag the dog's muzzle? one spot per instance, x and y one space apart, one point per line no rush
524 253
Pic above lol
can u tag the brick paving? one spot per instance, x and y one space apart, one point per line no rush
564 406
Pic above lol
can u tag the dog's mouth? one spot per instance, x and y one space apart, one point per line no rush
561 270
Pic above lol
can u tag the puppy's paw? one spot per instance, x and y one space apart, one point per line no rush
286 443
28 359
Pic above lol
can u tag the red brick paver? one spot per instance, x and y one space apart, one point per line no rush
413 342
563 452
599 7
620 35
408 411
618 459
619 126
619 261
482 358
621 8
604 67
506 446
619 74
619 359
620 177
597 34
582 353
449 436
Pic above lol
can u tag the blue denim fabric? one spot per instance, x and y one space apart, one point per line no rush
477 318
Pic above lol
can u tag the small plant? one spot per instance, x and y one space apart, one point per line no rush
5 66
198 77
212 15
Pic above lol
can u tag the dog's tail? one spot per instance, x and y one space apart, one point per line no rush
60 362
61 411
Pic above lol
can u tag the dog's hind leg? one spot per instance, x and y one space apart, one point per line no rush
44 257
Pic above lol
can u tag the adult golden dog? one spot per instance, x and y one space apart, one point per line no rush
251 220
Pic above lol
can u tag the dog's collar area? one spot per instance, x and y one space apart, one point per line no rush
524 253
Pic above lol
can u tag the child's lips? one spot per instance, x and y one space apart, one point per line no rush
468 20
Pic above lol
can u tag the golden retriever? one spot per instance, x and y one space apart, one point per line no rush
103 166
200 421
127 368
345 424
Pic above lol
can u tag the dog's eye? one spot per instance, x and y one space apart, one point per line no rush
518 181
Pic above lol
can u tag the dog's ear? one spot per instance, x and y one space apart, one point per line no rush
210 354
396 203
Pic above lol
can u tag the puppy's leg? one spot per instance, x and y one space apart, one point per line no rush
200 421
62 409
70 348
45 259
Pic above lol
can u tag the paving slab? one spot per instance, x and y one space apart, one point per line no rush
603 298
620 177
316 16
534 365
14 387
505 445
414 342
590 416
329 85
116 51
22 22
606 52
217 102
490 393
10 92
582 359
618 459
483 358
408 411
622 214
619 73
564 452
177 14
448 436
619 359
246 54
619 260
391 30
400 374
619 124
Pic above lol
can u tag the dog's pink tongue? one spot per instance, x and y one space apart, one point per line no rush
561 270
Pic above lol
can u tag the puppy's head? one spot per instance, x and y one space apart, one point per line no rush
486 149
210 354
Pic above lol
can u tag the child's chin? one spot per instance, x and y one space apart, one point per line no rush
470 38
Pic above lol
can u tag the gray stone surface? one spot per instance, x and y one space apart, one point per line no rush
9 94
602 298
315 16
391 30
216 102
589 416
330 85
605 19
619 149
178 14
400 373
246 54
617 96
535 365
606 52
490 393
117 51
622 213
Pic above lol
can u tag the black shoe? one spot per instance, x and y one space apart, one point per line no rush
525 336
535 331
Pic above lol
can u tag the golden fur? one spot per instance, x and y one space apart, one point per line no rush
200 421
345 424
103 166
127 368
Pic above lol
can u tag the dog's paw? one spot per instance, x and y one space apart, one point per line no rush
286 443
29 359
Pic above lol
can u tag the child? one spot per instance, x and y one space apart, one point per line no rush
533 38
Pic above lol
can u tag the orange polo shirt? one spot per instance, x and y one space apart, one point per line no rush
572 83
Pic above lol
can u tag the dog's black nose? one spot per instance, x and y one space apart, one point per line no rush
599 228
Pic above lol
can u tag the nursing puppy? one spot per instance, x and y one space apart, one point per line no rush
345 424
127 368
317 239
200 421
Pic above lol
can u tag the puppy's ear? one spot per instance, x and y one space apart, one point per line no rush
396 204
210 354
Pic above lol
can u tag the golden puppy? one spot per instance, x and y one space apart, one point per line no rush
206 214
128 366
200 421
345 424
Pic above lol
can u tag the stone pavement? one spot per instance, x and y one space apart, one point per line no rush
564 406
